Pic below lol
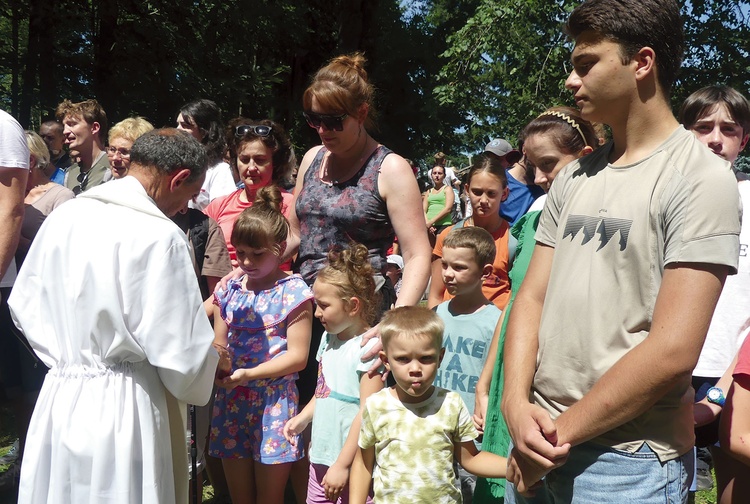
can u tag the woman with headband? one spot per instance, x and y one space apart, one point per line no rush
553 140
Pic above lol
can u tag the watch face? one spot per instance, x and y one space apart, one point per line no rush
714 394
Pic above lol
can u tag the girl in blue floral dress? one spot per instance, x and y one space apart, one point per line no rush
264 320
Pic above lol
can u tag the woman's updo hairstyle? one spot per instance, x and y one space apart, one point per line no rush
262 226
342 86
349 270
570 132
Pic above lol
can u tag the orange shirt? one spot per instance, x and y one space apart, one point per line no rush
496 287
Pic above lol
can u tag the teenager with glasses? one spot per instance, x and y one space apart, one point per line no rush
202 120
261 152
121 138
353 189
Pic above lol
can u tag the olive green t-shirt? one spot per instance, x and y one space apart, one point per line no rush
614 229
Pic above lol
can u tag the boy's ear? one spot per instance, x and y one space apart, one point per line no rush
744 142
384 358
442 354
645 60
487 270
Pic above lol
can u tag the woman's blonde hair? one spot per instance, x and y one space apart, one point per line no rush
38 149
130 129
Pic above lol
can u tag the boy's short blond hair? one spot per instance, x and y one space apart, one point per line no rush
475 238
411 321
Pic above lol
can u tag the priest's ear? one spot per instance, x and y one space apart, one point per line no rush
178 178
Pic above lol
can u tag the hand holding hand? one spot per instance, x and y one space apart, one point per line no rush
237 378
480 410
534 435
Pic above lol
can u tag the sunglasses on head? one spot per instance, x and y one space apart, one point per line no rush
329 122
256 129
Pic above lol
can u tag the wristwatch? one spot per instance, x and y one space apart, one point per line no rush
716 396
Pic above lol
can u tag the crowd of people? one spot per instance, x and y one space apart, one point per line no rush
190 302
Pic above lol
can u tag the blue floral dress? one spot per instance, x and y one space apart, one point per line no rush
248 421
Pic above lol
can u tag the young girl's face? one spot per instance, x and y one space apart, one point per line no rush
257 263
543 154
336 314
486 193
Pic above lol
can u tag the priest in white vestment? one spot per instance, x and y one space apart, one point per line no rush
109 301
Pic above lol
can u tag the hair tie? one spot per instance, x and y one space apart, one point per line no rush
565 117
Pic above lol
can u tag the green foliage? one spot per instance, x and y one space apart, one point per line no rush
450 74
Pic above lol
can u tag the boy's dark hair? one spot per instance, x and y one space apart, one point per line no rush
701 102
475 238
634 24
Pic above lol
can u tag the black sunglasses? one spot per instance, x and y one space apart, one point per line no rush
256 129
329 122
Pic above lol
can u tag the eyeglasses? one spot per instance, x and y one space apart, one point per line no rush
329 122
124 153
256 129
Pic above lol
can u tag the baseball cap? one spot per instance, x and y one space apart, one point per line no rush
396 260
500 147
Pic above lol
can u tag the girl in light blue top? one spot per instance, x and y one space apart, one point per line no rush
346 305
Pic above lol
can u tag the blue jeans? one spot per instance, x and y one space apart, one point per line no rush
598 474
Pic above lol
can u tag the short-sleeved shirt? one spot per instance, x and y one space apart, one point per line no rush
414 446
340 369
466 339
614 230
14 153
743 360
519 200
496 286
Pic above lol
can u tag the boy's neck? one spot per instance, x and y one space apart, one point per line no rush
646 126
468 303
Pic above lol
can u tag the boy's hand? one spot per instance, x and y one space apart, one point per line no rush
293 429
334 481
524 474
480 410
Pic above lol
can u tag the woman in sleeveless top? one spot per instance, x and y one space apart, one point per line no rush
437 204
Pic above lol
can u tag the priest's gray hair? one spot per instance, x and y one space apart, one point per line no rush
169 150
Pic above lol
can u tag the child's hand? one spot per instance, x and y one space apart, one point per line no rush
334 481
224 367
239 377
293 429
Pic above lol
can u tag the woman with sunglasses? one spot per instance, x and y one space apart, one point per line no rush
202 119
353 189
262 154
